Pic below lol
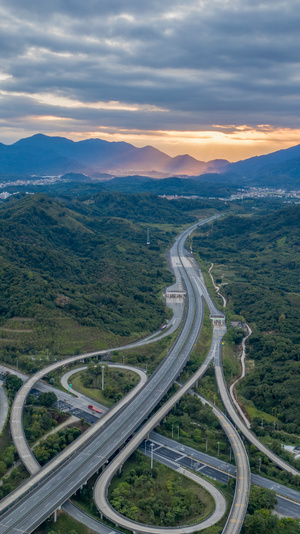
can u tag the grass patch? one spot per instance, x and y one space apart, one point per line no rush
92 393
255 412
64 525
231 362
117 382
14 479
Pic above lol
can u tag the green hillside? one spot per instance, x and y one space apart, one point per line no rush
82 278
259 259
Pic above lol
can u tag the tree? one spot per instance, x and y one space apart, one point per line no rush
12 384
3 468
261 498
47 399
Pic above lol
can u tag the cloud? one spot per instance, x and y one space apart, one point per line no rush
122 65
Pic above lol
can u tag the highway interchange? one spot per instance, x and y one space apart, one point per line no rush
50 486
56 487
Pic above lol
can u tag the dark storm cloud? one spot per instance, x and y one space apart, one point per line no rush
205 62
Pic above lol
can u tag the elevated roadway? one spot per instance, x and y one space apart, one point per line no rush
240 501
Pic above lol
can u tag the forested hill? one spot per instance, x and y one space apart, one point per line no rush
259 258
74 280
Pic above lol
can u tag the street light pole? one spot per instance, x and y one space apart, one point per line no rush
206 444
218 448
172 430
178 432
102 377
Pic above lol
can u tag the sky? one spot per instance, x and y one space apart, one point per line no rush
211 78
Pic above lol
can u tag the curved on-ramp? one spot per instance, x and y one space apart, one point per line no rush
29 459
240 424
218 513
100 489
65 378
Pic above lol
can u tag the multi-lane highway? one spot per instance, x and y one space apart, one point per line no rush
240 501
55 488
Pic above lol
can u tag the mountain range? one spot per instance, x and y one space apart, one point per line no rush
103 160
41 154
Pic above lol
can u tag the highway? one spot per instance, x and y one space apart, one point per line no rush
29 459
240 501
35 381
56 488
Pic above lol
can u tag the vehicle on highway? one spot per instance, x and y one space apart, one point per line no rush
94 409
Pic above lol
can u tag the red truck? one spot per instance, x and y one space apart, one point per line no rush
94 409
